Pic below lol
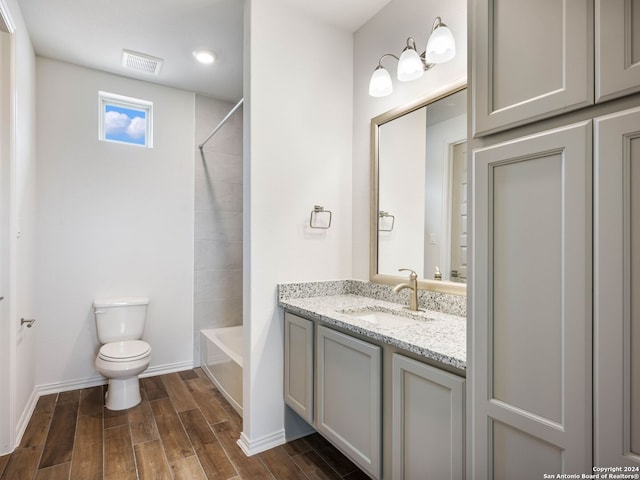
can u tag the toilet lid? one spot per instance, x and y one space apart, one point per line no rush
124 351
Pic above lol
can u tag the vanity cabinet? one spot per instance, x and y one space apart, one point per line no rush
428 422
534 60
514 83
393 415
617 290
298 365
531 303
617 48
348 389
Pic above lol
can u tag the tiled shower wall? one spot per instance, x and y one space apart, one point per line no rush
218 219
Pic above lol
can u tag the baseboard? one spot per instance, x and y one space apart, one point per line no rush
87 382
95 380
168 368
253 447
23 421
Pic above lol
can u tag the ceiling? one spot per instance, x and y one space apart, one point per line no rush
93 34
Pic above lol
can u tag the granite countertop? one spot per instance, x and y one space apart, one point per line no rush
438 336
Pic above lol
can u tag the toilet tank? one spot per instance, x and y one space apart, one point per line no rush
120 318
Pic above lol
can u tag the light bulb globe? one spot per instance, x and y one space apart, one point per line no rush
441 46
380 84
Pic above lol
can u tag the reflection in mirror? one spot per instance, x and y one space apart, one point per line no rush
420 203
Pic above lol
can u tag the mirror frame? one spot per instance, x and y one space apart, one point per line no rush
442 286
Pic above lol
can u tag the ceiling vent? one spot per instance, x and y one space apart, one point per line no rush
141 62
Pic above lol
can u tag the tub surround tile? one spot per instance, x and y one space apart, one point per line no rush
438 336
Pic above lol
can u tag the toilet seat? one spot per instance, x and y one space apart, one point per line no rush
126 351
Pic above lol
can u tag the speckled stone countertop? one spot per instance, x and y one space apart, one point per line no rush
438 336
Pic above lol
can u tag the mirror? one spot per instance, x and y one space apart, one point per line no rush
419 201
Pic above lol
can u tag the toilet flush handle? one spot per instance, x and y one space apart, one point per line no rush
99 312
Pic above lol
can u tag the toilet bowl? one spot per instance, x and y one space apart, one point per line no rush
121 363
123 356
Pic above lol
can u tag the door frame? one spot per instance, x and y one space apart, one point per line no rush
8 326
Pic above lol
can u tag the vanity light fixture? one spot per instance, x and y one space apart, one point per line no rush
441 47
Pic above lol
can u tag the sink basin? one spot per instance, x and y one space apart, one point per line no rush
383 318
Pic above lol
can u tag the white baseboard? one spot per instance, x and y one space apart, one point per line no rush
253 447
168 368
87 382
23 421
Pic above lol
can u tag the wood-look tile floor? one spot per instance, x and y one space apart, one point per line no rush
183 429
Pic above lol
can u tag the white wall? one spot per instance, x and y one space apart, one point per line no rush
17 353
298 86
387 33
114 219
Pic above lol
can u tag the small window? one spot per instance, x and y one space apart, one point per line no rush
125 120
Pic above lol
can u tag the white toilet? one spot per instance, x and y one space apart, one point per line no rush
123 356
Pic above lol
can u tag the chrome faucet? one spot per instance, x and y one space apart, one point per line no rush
412 285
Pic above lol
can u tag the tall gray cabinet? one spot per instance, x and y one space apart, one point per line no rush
554 336
617 290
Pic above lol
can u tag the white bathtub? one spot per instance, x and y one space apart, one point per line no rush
221 359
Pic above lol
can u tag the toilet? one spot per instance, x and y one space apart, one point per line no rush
123 355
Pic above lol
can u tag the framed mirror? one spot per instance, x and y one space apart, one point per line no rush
418 189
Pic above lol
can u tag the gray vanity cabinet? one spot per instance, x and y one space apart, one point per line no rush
531 303
531 60
428 422
298 365
348 392
617 48
537 59
617 290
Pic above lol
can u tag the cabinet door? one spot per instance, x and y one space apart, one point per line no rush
428 422
348 401
617 290
532 60
617 48
298 365
531 306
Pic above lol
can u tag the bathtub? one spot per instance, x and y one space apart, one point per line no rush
221 360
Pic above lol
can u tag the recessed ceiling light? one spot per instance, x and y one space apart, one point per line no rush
204 56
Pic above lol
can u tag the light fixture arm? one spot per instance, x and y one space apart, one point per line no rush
383 57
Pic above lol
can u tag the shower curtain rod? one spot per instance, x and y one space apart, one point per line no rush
224 120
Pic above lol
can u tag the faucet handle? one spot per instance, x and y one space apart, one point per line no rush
413 275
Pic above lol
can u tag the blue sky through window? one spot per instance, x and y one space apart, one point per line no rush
126 125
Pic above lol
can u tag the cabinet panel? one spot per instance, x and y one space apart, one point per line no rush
428 422
531 60
617 289
527 245
617 48
349 397
531 303
298 365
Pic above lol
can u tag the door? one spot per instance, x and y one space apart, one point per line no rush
6 441
349 397
617 48
533 59
298 365
531 305
428 422
458 212
617 291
